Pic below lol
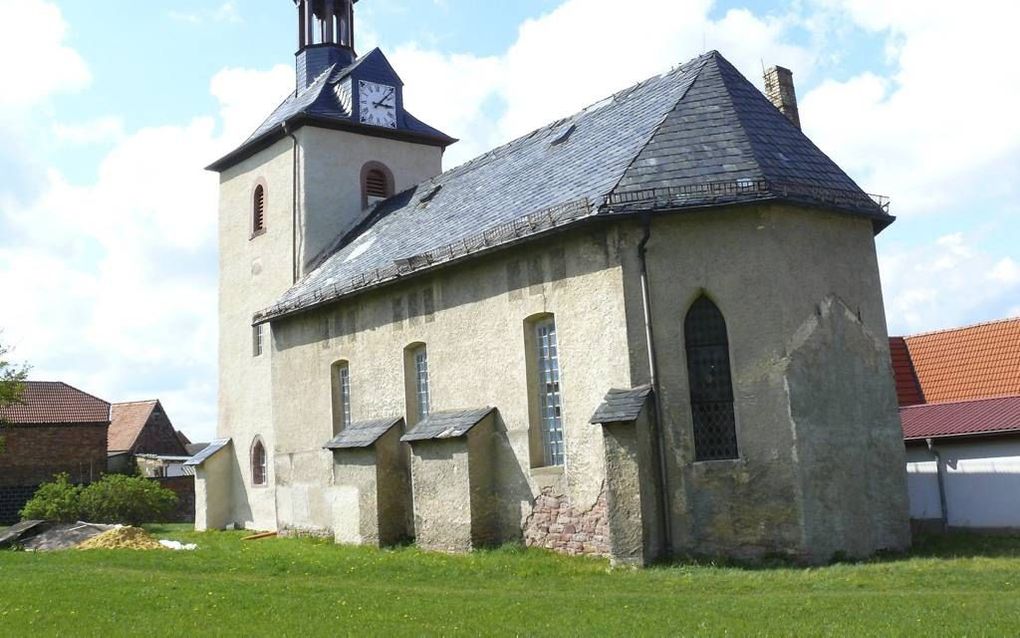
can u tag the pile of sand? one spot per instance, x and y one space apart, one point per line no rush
122 538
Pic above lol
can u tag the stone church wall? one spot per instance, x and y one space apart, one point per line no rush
770 269
472 320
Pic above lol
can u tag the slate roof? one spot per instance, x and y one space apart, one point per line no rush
698 136
55 403
207 453
908 388
127 420
325 104
962 418
446 425
973 362
363 434
622 406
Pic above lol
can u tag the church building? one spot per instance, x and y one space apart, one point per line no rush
654 328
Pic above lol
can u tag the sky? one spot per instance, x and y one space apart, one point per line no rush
110 110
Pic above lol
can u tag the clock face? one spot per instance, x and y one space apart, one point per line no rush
378 104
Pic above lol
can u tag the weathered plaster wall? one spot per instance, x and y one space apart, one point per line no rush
472 319
254 271
849 439
331 163
440 474
767 268
372 493
355 497
213 486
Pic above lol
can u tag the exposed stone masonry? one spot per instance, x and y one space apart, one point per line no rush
555 524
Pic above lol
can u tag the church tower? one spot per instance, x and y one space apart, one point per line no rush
341 143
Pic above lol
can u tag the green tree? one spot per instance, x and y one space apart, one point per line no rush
12 386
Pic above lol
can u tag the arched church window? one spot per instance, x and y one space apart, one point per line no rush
711 384
376 184
258 215
259 464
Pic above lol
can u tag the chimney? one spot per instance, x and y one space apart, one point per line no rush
781 92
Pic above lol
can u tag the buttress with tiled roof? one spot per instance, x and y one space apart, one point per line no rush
652 328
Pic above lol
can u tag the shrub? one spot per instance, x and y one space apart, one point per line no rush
131 500
58 501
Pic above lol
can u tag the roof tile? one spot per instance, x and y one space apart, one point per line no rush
51 403
968 363
696 136
126 422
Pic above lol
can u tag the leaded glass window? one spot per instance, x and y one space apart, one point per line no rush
421 373
708 371
344 390
550 406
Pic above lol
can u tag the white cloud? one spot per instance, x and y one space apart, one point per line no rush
116 280
226 12
942 128
36 29
103 129
952 281
573 56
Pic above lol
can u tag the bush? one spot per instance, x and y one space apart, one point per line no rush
131 500
58 501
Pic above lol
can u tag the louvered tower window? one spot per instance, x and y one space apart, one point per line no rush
258 223
708 370
376 186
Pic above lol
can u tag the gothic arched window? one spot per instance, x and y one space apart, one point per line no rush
708 372
259 464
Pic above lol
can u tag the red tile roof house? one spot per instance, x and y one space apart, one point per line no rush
959 393
55 429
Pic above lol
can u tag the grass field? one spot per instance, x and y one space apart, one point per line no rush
962 585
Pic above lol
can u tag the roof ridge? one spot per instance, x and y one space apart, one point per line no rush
982 324
702 59
378 212
88 394
136 402
961 401
563 120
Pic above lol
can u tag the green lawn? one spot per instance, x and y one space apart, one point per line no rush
962 585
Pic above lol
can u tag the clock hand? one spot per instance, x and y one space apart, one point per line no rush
386 97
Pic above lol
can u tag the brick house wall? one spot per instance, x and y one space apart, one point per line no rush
35 453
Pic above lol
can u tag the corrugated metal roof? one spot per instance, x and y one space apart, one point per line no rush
363 434
968 363
700 135
622 406
208 452
446 425
51 403
963 418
